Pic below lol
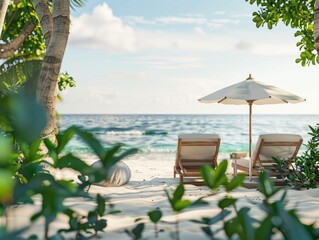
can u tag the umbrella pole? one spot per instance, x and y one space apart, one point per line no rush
250 114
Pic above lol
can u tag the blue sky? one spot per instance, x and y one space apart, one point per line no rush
152 56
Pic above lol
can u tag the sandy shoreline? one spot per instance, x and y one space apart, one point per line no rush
145 192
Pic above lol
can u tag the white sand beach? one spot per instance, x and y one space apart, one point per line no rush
145 192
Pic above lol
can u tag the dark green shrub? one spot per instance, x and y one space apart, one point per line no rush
308 163
305 173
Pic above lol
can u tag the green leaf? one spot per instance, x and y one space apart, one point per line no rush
138 231
176 201
207 173
114 212
28 118
100 205
298 33
182 204
214 178
179 193
266 186
235 182
70 161
246 223
219 176
208 232
155 215
257 19
199 202
210 221
100 225
110 155
36 216
95 144
231 227
307 171
292 227
226 202
13 74
6 185
50 145
111 161
64 138
220 216
264 231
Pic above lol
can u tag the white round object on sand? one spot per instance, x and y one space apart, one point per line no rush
118 175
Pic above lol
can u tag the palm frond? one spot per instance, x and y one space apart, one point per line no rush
13 74
76 3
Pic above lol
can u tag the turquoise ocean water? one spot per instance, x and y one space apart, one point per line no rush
157 134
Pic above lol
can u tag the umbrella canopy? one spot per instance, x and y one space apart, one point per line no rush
251 92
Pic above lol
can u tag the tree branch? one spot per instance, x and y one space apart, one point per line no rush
7 50
3 10
46 20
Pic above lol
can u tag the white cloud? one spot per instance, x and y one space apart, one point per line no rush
274 49
93 99
199 31
160 40
243 45
220 13
120 76
186 19
169 62
102 30
134 20
181 20
242 15
219 23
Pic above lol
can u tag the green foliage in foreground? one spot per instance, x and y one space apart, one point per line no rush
24 170
297 14
305 174
25 176
244 225
238 223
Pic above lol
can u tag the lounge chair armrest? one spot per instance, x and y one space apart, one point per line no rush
243 162
237 155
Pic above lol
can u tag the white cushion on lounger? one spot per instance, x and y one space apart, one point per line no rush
267 152
198 137
198 152
243 162
118 175
269 146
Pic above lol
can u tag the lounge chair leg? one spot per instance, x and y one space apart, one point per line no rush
181 179
174 174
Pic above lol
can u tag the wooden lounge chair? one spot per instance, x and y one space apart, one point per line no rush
194 151
281 146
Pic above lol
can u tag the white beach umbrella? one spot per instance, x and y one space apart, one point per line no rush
251 92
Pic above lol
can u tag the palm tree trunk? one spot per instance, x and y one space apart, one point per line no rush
3 10
47 84
316 26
